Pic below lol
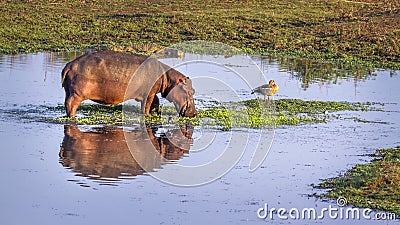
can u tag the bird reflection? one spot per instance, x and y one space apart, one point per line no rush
102 153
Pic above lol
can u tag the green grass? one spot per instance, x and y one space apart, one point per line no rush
348 31
248 114
374 185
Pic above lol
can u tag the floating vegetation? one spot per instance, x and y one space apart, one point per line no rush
374 185
247 114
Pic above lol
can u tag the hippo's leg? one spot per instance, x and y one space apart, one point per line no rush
154 107
71 105
67 93
146 106
142 107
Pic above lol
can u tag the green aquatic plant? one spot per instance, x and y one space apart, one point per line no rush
253 113
374 185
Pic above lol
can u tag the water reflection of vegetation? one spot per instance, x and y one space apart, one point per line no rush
305 70
247 114
311 71
374 185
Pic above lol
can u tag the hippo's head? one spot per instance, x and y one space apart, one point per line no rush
181 94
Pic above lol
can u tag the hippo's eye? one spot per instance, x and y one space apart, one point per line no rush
182 81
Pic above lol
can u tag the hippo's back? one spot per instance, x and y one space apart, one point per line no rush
104 65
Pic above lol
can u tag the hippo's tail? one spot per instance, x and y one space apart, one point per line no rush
64 74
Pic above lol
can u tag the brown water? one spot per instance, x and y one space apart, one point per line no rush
60 174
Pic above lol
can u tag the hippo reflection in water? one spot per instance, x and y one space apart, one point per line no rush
110 78
104 153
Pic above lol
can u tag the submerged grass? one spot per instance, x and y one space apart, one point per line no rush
348 31
374 185
247 114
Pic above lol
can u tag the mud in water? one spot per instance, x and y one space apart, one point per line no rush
67 174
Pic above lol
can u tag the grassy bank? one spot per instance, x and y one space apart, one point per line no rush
365 32
374 185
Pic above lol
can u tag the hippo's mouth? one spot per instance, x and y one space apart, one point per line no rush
187 109
184 109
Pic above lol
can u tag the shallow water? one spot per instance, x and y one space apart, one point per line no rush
56 174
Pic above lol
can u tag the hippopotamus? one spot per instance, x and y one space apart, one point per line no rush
109 78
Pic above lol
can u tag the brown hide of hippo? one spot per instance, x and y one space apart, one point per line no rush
110 78
104 153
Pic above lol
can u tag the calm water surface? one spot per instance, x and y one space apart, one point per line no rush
60 174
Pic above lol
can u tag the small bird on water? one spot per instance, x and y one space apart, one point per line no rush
267 89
